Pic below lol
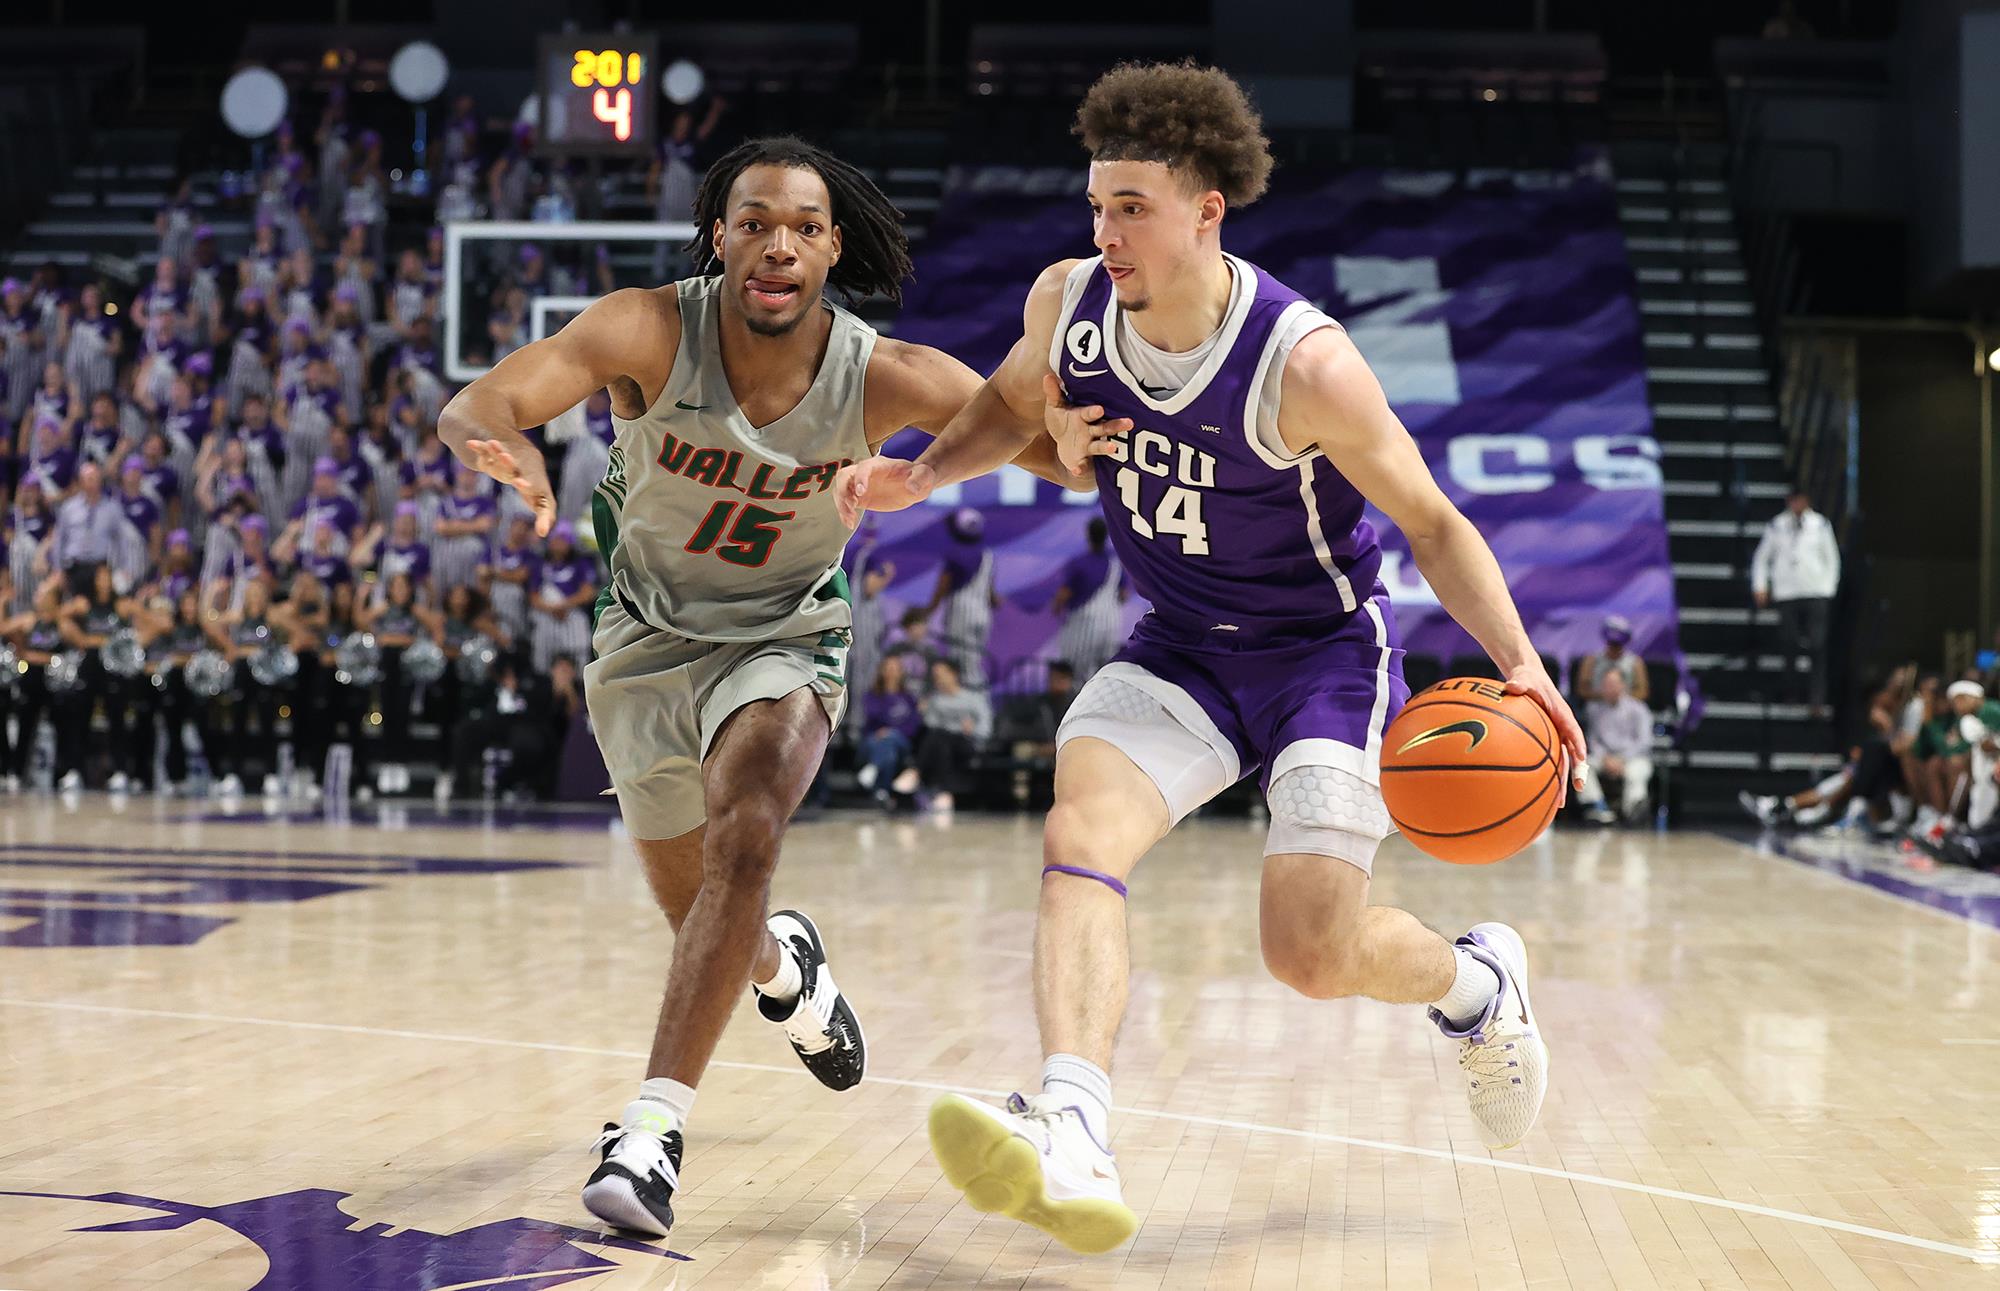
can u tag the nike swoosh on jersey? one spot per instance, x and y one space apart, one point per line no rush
1076 371
691 407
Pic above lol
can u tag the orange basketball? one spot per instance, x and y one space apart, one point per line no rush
1470 773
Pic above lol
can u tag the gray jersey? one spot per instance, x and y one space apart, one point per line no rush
720 531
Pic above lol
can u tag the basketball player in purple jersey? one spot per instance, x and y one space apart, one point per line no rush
1234 432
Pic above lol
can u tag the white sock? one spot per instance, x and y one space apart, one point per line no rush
1085 1085
787 982
1473 987
676 1097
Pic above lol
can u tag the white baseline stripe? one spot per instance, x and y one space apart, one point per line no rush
1214 1122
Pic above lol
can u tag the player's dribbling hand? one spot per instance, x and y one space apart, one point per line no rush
525 474
1080 433
880 484
1532 680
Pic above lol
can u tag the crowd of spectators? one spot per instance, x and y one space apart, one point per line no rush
228 517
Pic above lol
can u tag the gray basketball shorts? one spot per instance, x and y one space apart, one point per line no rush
657 700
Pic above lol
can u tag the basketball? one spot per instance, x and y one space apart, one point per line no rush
1470 773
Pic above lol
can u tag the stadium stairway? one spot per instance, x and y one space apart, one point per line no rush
99 217
1723 457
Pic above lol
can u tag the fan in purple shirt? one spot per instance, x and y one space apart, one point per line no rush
356 476
559 577
317 389
252 559
324 557
51 457
260 433
100 435
163 484
420 351
597 416
250 325
144 513
165 297
177 571
326 504
228 483
429 471
404 552
890 720
163 341
34 516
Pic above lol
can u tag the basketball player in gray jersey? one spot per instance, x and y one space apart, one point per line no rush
723 629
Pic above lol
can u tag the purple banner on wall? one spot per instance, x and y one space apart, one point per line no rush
1497 310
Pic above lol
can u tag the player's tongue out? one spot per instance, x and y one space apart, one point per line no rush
772 291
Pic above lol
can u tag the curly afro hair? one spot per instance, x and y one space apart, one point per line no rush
1194 119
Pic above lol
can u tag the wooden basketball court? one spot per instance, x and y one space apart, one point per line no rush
310 1054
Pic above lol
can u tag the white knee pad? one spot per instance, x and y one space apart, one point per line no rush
1324 811
1119 700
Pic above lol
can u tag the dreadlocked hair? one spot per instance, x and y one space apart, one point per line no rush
874 253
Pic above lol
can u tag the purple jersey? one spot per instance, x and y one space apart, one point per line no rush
190 424
331 571
1084 575
558 580
175 584
419 356
175 351
896 711
455 507
338 511
601 425
97 442
512 558
57 468
245 567
1235 545
355 475
266 439
34 528
142 511
414 560
49 405
435 472
963 560
164 300
162 485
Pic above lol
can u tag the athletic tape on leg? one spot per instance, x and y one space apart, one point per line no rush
1082 873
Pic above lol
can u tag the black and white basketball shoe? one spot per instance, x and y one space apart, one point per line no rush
633 1188
820 1023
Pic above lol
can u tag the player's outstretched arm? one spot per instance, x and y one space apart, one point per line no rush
625 335
1332 401
996 425
923 387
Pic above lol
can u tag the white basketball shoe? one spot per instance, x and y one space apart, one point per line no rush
1035 1162
1506 1065
633 1186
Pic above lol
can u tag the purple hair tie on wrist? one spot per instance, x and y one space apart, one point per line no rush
1077 870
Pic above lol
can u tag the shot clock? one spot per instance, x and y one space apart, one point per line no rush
600 93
